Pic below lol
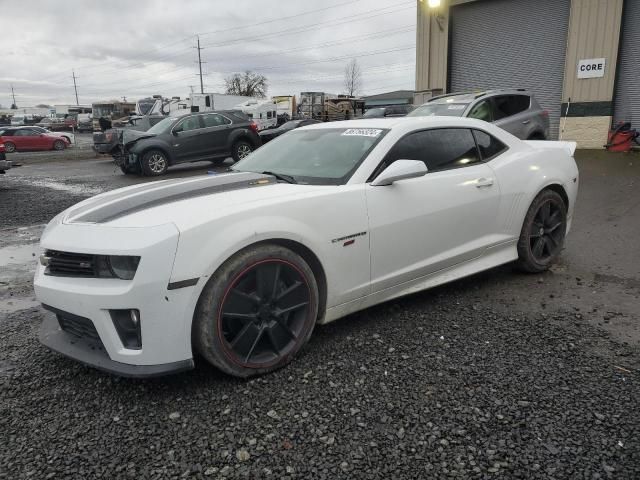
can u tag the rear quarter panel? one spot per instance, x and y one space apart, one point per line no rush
523 172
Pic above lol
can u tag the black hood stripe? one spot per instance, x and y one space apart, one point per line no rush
161 194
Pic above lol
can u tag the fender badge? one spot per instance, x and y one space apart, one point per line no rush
348 239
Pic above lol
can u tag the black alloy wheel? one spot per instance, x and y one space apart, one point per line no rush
547 231
257 311
264 312
543 232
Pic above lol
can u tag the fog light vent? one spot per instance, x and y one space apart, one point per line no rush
127 323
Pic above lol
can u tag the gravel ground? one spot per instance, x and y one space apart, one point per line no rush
501 375
422 388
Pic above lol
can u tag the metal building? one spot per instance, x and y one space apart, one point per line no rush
579 57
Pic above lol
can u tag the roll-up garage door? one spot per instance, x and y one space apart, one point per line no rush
627 97
511 44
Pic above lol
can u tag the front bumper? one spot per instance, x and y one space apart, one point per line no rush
165 315
93 354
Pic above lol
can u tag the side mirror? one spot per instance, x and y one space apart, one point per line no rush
175 132
400 170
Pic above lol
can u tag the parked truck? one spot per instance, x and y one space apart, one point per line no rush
328 107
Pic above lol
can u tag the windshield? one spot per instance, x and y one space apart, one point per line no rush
326 156
374 112
162 126
439 109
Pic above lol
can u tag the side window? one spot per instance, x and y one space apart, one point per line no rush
488 145
189 123
507 105
215 120
481 111
24 133
439 149
520 103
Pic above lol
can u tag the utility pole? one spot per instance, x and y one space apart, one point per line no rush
124 99
200 65
14 97
75 87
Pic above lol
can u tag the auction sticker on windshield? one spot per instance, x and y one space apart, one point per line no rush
363 132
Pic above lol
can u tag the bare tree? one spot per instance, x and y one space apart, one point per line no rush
247 84
352 78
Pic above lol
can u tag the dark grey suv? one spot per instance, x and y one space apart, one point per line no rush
194 137
514 110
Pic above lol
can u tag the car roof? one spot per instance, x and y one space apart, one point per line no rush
402 122
468 97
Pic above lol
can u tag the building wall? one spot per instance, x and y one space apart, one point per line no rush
594 32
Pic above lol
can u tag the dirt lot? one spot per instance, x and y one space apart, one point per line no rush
501 375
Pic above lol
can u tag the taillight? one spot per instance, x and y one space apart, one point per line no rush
254 126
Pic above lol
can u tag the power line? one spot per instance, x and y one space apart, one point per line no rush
316 25
164 46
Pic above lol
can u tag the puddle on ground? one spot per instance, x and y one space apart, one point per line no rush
76 189
19 255
13 304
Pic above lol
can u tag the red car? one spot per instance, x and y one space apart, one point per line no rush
23 139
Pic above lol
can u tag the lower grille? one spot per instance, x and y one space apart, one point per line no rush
76 325
70 264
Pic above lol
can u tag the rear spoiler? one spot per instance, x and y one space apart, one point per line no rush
569 147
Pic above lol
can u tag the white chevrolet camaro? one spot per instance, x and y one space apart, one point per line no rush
319 223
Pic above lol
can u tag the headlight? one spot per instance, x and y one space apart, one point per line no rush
122 266
116 266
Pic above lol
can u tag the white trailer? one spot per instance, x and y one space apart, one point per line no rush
263 112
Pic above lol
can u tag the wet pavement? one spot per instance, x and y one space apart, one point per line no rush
499 374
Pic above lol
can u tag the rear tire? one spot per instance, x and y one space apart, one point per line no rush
154 163
543 232
59 145
256 312
9 147
240 150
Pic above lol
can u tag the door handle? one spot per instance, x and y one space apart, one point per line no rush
525 122
484 182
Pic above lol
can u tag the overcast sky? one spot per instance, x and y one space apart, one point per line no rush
145 47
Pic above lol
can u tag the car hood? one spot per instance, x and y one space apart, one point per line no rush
183 202
130 135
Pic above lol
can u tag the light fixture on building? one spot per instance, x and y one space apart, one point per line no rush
440 18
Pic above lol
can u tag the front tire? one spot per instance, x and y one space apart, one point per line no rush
257 311
543 232
59 145
240 150
154 163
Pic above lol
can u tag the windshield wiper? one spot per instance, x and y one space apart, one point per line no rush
281 176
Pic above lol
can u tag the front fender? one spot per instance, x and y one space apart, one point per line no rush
143 145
